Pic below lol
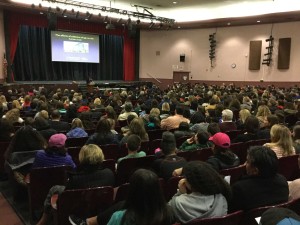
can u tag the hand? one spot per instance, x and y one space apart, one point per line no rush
190 140
182 186
177 172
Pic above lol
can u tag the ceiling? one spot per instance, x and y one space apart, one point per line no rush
190 13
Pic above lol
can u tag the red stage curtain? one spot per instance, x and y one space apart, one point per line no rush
15 20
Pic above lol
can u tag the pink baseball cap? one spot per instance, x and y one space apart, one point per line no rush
221 139
57 140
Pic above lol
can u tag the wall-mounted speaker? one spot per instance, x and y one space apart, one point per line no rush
182 58
52 21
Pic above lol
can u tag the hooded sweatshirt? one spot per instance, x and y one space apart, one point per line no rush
187 207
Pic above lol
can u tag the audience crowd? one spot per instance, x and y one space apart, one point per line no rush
189 117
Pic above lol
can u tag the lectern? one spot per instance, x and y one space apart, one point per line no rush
181 76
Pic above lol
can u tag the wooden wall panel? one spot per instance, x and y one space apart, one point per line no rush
255 55
284 52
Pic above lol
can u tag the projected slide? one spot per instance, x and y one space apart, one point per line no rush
74 47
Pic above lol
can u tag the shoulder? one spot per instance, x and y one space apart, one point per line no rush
116 218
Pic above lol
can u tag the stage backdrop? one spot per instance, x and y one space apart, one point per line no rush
30 52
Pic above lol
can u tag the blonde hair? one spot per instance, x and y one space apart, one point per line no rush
281 136
76 122
44 114
97 101
155 112
16 104
91 155
3 98
244 114
13 115
165 107
263 111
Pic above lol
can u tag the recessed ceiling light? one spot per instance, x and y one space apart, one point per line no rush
228 24
258 21
174 3
178 27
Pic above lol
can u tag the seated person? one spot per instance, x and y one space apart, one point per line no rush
203 193
263 185
89 174
183 130
55 154
56 123
223 157
279 216
198 141
133 145
251 128
77 129
227 124
167 160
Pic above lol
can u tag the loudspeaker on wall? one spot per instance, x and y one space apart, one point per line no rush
52 21
182 58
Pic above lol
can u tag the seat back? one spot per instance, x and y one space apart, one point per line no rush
3 147
155 134
240 149
154 144
83 203
74 142
179 141
288 167
249 217
235 173
171 187
122 192
233 133
111 151
185 154
110 164
201 154
295 205
74 153
40 182
229 219
127 166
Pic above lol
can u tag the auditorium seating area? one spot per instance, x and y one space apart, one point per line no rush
86 202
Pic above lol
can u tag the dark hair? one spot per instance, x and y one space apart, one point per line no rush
272 119
252 124
264 159
205 180
183 126
40 123
55 114
168 143
296 131
103 126
128 107
133 142
213 128
179 110
145 203
203 137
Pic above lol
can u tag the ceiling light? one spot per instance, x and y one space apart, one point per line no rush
138 21
258 21
228 24
174 3
77 15
57 9
40 5
151 25
32 5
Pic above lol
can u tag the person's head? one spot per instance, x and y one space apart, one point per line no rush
272 119
57 143
40 123
179 110
296 132
165 107
137 127
227 115
221 142
281 136
103 126
44 114
55 115
202 178
263 110
91 155
184 126
130 118
6 127
202 137
16 104
244 114
76 122
128 107
279 216
213 128
145 202
133 143
155 112
261 161
13 115
252 124
168 143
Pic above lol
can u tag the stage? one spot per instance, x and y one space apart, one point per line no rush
75 85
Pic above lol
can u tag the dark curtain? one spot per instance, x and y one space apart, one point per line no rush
33 59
